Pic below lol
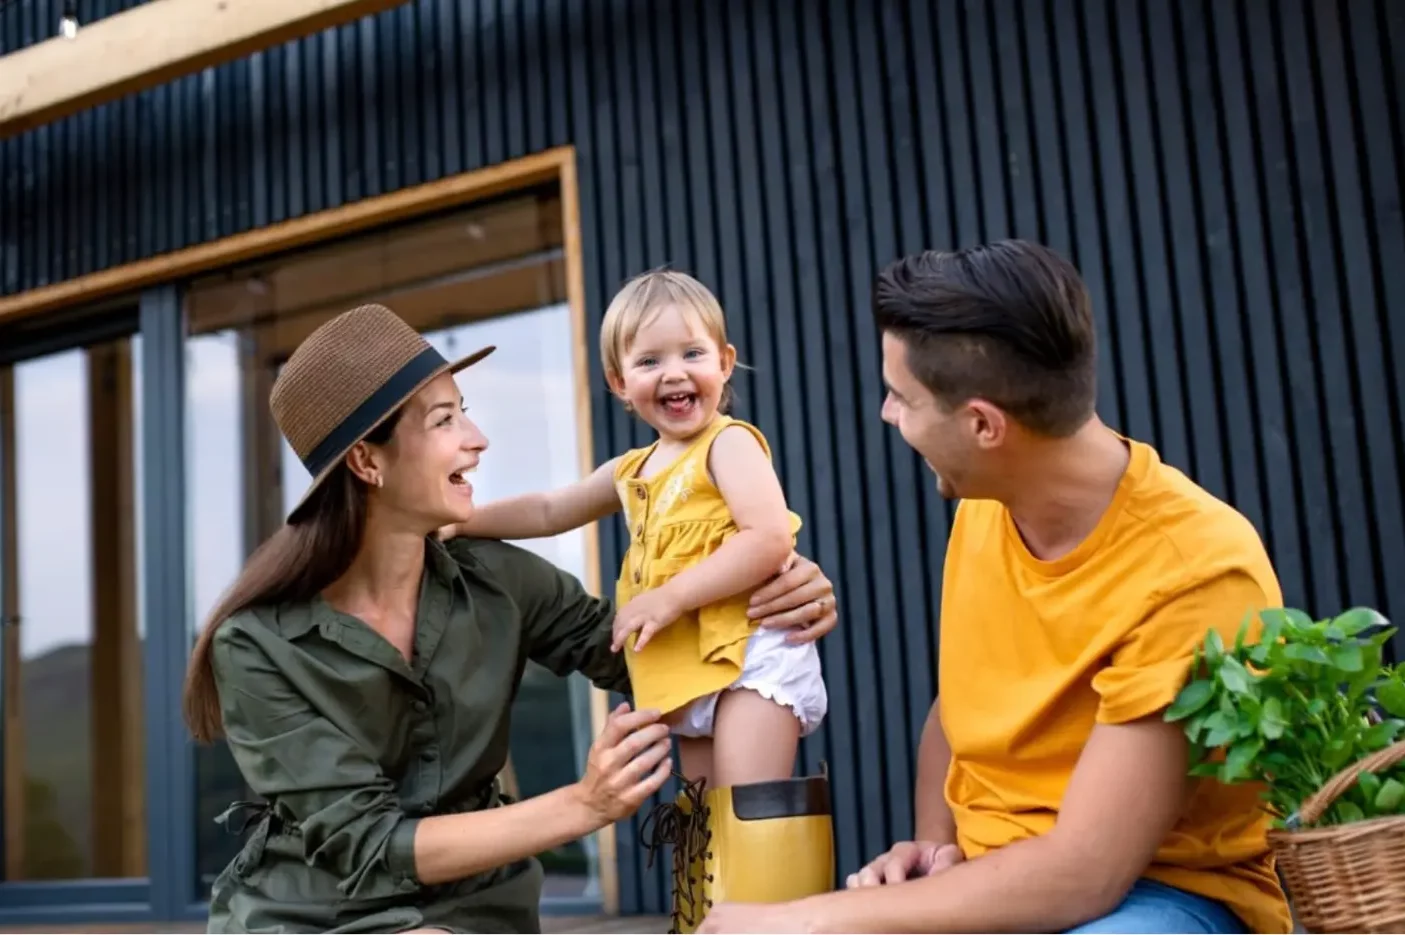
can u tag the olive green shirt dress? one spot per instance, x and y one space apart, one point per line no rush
350 746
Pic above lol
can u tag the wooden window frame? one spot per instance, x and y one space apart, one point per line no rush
458 191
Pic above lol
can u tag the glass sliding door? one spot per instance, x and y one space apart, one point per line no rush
524 397
71 664
492 273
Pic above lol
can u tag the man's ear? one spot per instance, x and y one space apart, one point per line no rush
989 422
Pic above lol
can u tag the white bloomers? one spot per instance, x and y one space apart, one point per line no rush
786 673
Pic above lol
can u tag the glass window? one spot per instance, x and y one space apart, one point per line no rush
490 274
70 489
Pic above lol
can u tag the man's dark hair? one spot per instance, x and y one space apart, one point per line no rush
1009 322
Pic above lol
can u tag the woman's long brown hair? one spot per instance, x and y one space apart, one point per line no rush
294 564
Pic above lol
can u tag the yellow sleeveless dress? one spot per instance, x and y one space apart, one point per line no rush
676 519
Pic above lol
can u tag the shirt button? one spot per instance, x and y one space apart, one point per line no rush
427 756
421 707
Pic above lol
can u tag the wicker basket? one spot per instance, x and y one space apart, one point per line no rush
1346 878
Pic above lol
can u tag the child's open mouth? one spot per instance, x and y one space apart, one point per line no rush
679 404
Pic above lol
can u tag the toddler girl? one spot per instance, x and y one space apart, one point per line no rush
708 524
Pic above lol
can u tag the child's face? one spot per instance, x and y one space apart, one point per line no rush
674 373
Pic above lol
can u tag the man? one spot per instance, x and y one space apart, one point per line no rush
1080 574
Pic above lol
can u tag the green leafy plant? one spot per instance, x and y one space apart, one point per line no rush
1294 707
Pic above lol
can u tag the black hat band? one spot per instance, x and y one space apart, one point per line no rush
364 417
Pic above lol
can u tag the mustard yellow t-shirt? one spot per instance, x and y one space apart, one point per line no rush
1034 653
676 518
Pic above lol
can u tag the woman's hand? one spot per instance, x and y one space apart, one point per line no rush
628 762
800 598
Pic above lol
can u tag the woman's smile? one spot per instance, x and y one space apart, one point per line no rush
458 479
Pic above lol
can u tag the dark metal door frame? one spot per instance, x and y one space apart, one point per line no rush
122 900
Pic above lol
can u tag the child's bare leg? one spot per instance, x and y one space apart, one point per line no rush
753 739
695 758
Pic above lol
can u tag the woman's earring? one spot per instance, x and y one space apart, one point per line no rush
380 481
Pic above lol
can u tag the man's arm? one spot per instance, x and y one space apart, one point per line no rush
934 846
1126 793
934 820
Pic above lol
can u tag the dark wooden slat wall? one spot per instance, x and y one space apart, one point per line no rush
1227 174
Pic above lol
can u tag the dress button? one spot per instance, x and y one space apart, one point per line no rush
639 492
636 576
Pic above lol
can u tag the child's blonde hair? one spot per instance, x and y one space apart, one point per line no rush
641 299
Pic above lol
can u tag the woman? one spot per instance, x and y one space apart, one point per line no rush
363 671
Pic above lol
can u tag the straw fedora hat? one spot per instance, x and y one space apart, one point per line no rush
346 378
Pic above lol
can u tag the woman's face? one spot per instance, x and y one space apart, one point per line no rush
424 468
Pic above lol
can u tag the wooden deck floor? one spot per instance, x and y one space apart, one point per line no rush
550 924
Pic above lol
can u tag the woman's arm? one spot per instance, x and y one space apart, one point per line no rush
347 810
564 627
567 629
748 483
549 513
628 763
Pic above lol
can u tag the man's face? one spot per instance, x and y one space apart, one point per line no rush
939 435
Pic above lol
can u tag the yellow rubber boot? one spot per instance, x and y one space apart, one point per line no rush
759 842
767 842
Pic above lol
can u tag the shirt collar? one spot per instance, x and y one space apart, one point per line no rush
297 620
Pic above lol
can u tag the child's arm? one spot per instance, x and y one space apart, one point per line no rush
749 558
549 513
747 481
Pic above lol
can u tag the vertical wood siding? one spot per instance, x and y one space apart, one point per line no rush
1226 174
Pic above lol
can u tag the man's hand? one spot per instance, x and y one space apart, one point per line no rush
906 860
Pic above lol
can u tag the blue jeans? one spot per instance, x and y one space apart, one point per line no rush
1156 907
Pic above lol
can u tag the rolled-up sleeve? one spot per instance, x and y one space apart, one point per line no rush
1148 668
346 809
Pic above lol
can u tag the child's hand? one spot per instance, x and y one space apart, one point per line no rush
648 613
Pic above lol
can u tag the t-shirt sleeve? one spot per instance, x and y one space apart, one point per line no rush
1149 666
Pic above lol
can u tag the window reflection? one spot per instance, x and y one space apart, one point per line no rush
523 397
217 542
490 275
74 766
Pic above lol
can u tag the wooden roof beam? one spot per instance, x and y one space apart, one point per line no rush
152 44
